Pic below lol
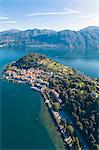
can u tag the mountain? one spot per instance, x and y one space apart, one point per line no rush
84 42
12 31
91 37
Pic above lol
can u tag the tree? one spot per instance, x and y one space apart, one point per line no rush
78 144
56 106
96 146
71 129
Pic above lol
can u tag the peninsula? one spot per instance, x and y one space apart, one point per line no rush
72 99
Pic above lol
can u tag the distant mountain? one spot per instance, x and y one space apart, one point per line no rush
83 42
10 31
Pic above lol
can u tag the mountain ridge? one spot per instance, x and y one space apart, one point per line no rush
85 40
16 29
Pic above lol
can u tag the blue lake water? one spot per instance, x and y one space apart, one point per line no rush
20 107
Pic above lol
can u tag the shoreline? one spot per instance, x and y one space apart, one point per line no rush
50 127
55 130
51 117
55 125
67 141
48 123
64 91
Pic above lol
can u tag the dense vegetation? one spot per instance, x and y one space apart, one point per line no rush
79 95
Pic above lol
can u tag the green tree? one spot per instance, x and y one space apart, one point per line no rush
71 129
56 106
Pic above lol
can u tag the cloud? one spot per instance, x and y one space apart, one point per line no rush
66 11
72 11
8 22
91 16
4 18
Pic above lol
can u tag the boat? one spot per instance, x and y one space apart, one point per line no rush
34 88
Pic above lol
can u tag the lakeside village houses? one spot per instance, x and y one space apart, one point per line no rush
38 79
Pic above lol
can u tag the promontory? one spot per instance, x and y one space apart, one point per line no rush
72 98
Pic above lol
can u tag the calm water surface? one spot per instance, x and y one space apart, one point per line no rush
21 126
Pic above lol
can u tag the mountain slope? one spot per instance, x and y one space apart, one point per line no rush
85 41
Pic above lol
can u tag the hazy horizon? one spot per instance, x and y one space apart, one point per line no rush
48 14
46 29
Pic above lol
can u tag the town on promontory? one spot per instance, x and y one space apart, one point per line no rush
71 98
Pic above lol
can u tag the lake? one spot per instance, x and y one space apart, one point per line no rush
21 125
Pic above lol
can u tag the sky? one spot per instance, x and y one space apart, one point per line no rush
48 14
